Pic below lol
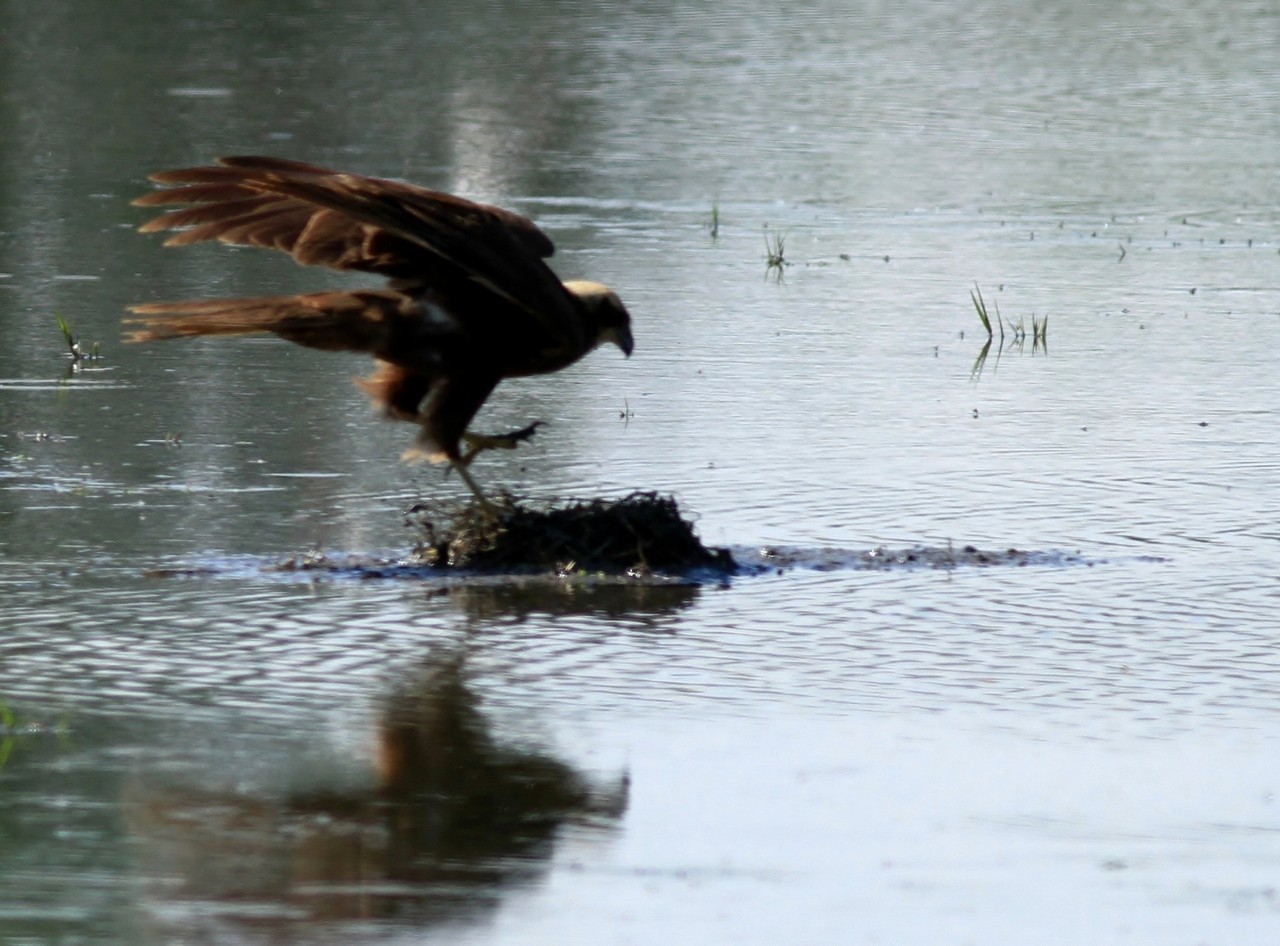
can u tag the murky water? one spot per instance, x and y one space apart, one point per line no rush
1081 750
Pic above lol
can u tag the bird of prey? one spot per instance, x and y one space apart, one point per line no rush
469 300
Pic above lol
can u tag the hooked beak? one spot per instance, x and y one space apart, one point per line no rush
620 337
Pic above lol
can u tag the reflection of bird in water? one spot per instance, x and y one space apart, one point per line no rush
453 819
470 301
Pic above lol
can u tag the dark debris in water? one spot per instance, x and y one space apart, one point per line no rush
738 562
781 559
638 540
637 535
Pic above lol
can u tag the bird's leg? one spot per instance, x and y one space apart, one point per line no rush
461 466
509 441
478 442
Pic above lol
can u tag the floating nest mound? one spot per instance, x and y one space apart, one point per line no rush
639 534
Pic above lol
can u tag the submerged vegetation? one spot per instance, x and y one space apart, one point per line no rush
1018 330
13 727
980 304
992 321
74 349
775 256
8 725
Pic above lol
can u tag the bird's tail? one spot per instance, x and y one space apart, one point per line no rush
163 320
334 321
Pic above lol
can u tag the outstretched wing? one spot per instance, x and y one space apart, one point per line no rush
419 238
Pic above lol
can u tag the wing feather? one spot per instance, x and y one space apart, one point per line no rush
412 235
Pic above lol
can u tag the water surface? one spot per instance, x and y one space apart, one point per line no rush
1080 752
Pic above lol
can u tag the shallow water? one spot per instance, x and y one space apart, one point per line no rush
1078 750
